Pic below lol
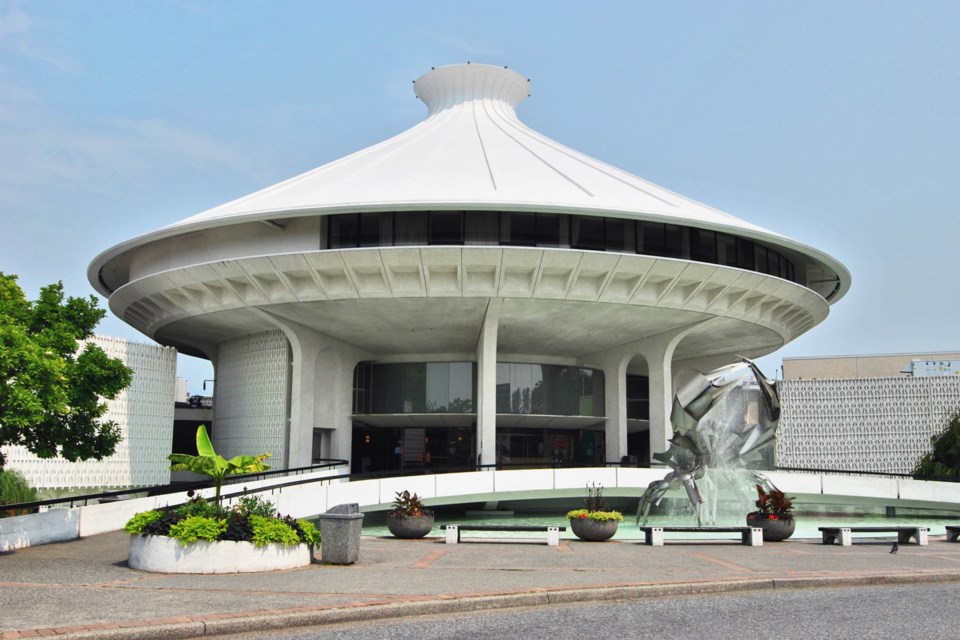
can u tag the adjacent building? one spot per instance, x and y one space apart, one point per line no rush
466 291
865 413
144 412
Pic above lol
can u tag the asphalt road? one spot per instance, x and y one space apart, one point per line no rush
923 611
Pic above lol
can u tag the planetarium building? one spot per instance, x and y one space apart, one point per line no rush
467 291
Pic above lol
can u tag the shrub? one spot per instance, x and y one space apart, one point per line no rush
15 489
193 528
272 531
140 521
308 532
201 507
256 506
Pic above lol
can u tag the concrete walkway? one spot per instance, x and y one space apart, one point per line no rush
83 589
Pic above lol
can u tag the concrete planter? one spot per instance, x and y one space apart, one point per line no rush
166 555
593 530
773 530
410 526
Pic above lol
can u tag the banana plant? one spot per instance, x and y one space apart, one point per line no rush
209 463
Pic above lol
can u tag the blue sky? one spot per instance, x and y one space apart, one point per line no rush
834 123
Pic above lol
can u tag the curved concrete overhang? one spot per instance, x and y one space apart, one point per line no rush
432 299
471 153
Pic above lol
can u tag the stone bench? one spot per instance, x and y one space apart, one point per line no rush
453 530
751 536
904 534
953 533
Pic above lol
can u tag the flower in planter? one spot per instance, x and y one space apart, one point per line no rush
407 505
772 505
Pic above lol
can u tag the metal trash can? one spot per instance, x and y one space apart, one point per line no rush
340 529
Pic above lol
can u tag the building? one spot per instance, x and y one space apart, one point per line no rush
864 413
144 412
466 291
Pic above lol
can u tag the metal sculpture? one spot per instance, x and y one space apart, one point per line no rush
715 429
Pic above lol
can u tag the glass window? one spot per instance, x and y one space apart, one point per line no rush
482 228
410 228
446 227
587 233
638 398
416 387
619 235
518 229
548 230
549 390
726 250
342 231
745 254
763 254
703 245
370 230
660 239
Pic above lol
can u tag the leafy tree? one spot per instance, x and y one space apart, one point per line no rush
51 396
210 463
943 462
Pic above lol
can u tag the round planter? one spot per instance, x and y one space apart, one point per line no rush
410 526
593 530
166 555
773 530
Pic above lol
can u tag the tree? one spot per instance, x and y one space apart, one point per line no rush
52 398
210 463
943 462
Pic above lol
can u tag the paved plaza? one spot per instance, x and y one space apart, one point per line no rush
84 589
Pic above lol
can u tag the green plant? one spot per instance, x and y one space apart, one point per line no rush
194 528
209 463
601 516
14 489
142 520
943 461
272 531
197 506
55 385
407 505
594 507
309 532
772 505
255 505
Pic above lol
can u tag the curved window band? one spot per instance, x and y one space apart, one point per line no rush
554 230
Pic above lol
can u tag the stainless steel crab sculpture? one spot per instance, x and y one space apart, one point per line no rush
718 418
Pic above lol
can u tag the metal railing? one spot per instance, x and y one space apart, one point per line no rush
165 489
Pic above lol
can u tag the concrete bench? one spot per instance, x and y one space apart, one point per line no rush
953 533
904 534
752 536
453 530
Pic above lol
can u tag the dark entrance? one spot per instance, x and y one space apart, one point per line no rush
411 448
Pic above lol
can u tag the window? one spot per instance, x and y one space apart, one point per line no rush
620 235
703 245
342 231
586 233
446 227
518 229
659 239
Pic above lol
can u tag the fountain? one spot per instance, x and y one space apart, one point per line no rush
721 421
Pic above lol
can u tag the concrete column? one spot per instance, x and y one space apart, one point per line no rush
321 391
615 404
487 384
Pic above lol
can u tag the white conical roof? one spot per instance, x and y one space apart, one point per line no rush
471 152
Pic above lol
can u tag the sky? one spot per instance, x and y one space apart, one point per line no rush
836 124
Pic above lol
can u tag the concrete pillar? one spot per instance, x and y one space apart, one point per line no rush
321 391
615 404
487 384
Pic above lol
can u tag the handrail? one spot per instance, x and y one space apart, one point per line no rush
165 489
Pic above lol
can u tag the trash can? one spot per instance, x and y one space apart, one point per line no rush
340 530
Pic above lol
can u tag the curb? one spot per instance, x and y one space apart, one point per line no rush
183 628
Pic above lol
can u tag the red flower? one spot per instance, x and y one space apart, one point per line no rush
584 516
772 517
